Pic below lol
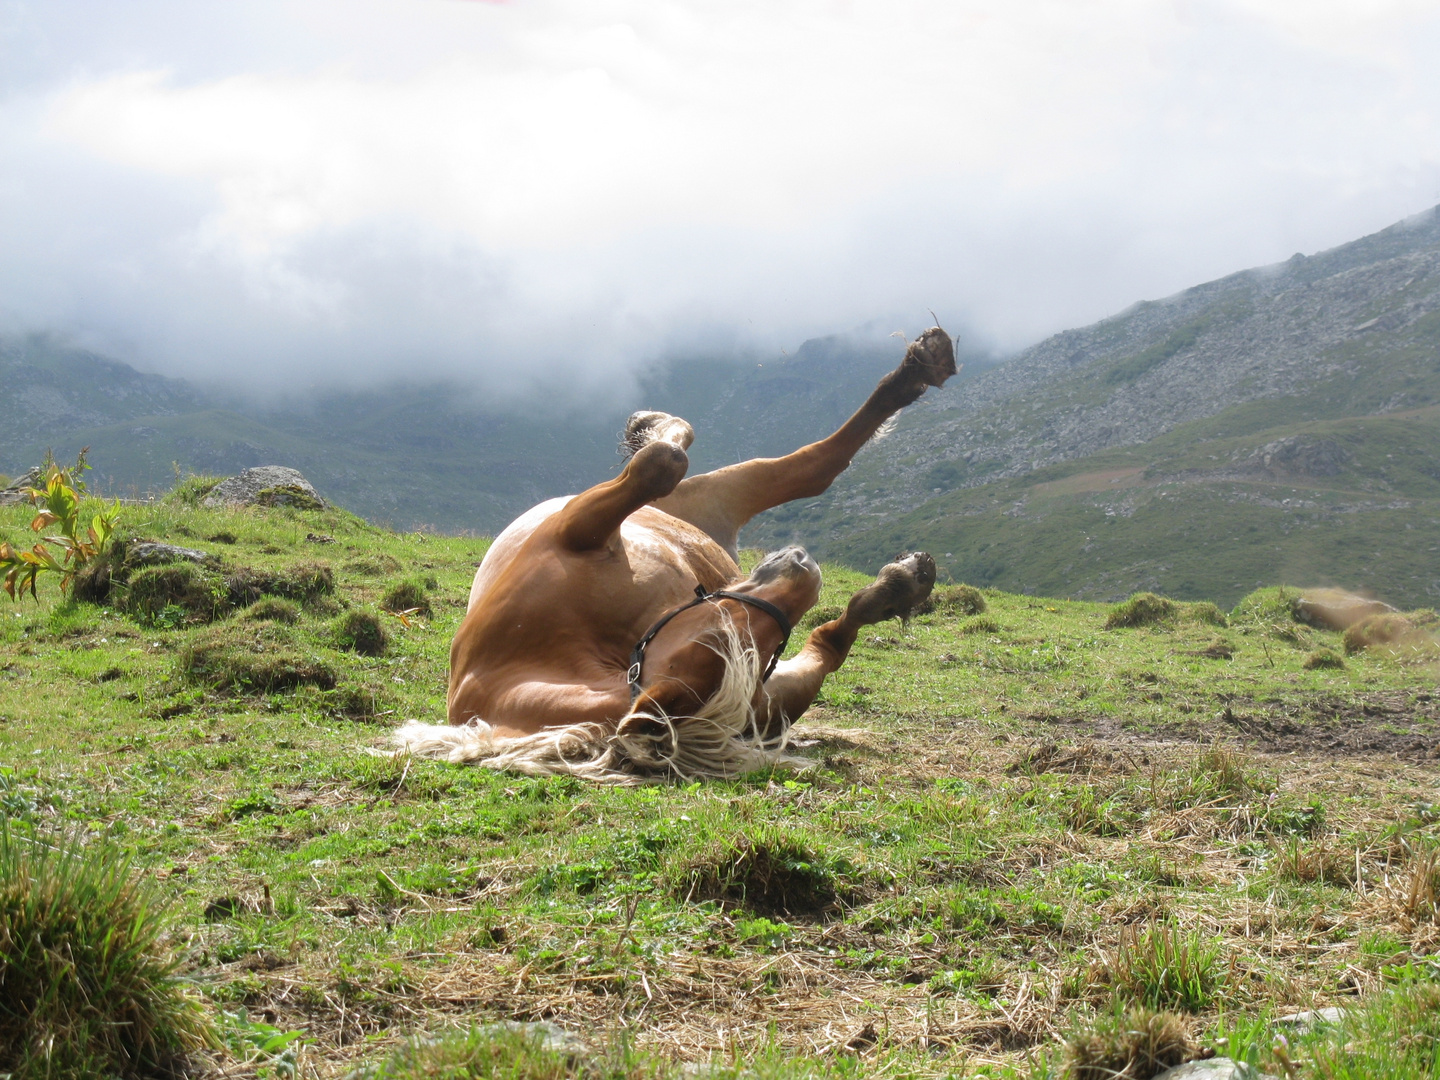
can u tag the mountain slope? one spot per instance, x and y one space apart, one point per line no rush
1181 395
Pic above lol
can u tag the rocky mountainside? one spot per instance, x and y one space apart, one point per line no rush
1231 382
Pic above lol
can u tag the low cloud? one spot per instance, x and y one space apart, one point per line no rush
557 193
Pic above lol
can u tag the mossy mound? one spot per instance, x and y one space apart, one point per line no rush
272 609
766 871
361 632
1142 609
373 566
1322 659
291 495
304 582
406 596
953 600
87 988
182 592
248 657
1205 612
1269 605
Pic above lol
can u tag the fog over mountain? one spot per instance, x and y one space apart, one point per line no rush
557 194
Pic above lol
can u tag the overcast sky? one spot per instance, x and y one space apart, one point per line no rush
561 190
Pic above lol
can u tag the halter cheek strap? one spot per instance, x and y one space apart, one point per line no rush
637 655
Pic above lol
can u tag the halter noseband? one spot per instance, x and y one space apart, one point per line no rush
637 655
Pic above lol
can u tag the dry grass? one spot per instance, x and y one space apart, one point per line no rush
1134 1045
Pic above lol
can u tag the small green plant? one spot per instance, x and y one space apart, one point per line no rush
88 987
1163 967
59 502
1142 609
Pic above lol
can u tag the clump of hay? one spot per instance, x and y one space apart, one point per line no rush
303 582
765 870
251 657
361 632
272 609
1142 609
87 988
406 596
1384 629
1322 659
1134 1045
953 600
196 593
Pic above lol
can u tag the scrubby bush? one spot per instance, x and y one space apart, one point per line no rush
1134 1045
251 657
361 632
1321 659
1377 630
87 988
954 600
1142 609
406 596
175 593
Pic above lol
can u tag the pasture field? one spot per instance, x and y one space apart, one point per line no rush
1018 825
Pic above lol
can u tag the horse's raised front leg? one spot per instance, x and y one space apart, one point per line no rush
899 588
592 519
721 502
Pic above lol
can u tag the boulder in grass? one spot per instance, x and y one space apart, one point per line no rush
140 553
1216 1068
267 485
1336 609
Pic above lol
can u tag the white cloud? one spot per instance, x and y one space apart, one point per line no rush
331 189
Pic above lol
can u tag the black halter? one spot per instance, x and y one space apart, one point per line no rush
637 655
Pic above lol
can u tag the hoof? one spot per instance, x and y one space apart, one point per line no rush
900 588
645 427
932 357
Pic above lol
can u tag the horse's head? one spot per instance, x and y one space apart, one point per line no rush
724 645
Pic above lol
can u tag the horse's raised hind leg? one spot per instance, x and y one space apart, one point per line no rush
721 502
899 588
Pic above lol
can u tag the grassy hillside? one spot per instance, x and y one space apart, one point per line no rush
1012 820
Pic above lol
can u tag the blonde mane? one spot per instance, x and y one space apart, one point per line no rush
721 740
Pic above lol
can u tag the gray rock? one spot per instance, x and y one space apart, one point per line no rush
148 553
14 493
1303 1023
1218 1068
285 486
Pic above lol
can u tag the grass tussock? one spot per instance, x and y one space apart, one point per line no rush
954 600
1323 659
361 632
1275 604
407 596
192 490
1316 863
87 988
272 609
175 594
303 582
251 658
511 1051
981 625
1133 1045
763 870
1162 966
1383 629
1142 609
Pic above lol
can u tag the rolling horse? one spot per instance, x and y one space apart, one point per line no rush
612 635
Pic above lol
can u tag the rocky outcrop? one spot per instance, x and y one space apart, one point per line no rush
267 485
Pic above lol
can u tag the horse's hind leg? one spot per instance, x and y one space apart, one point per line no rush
899 588
721 502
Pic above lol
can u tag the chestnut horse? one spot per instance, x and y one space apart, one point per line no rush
611 634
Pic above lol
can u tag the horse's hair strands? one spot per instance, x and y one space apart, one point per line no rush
722 740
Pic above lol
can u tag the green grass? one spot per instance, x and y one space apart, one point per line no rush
995 799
